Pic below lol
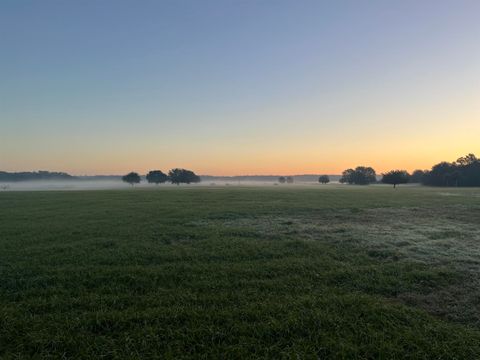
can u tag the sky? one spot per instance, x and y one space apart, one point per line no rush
237 87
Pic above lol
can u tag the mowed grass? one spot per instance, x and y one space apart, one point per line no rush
339 272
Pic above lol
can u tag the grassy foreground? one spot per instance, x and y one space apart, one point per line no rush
280 272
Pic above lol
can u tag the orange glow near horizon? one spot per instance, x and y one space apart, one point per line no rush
274 142
284 150
306 159
314 87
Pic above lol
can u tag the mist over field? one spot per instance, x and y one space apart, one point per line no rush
115 182
84 185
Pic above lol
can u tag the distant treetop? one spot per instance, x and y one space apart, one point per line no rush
157 177
361 175
417 176
131 178
324 179
465 171
179 176
396 177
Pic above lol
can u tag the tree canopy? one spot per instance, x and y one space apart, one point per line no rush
361 175
281 179
157 177
179 176
324 179
417 176
131 178
465 171
395 177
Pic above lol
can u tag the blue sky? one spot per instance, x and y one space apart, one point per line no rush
236 87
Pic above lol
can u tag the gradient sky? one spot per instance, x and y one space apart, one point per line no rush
237 87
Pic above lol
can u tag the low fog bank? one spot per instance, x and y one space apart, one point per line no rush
309 178
111 184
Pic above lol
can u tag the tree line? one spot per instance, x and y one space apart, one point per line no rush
33 175
465 171
175 176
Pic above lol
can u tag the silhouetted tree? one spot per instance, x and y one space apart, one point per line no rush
157 177
281 179
439 175
324 179
468 171
465 171
467 160
289 180
395 177
417 176
179 176
360 176
131 178
347 176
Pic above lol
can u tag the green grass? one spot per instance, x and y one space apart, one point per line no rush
279 272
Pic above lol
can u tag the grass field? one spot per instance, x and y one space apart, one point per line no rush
330 271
